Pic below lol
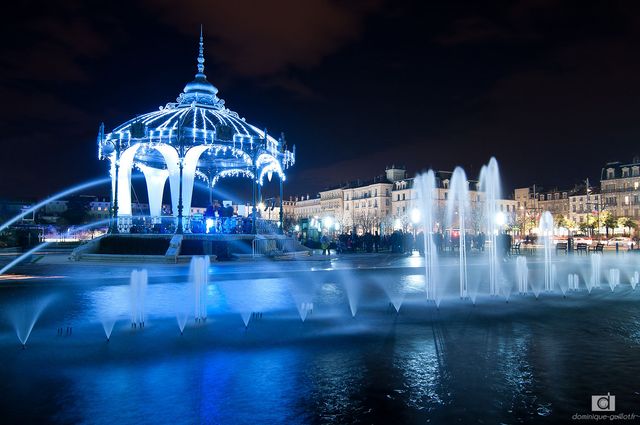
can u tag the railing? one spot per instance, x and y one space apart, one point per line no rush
273 246
199 225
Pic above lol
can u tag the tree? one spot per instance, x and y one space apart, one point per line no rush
628 223
608 221
570 224
367 220
589 224
560 221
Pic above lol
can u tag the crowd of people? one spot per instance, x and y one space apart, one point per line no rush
400 242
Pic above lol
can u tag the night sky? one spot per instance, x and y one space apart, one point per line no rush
552 89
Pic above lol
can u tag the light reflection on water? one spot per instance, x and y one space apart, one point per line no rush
519 362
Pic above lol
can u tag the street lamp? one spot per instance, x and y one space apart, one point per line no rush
500 219
415 216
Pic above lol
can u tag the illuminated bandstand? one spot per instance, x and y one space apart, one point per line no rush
196 137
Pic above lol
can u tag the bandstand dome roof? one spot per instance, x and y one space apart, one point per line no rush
198 117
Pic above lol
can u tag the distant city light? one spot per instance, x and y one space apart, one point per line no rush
415 216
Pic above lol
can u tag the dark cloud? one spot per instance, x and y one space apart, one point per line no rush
267 37
550 88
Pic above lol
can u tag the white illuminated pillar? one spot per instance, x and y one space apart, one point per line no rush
188 177
170 156
124 181
156 179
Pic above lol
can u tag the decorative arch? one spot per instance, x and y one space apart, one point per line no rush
267 164
233 172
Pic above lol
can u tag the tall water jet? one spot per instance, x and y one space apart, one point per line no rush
43 245
303 297
181 317
59 195
596 266
304 309
494 218
107 325
426 186
138 290
458 202
614 278
522 274
546 229
199 276
352 288
24 316
573 280
635 279
395 294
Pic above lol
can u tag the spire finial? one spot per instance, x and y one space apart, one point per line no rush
201 54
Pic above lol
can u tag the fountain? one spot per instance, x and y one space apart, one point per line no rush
458 204
199 277
573 281
494 218
426 185
304 309
107 325
303 298
394 293
352 288
55 197
138 289
24 316
596 263
522 274
546 229
614 278
635 279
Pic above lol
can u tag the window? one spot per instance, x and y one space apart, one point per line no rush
625 172
611 173
635 171
404 196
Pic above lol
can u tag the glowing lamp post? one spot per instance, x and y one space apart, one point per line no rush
415 219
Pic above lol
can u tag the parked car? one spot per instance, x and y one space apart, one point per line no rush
582 239
559 239
622 241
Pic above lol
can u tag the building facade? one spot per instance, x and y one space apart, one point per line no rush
620 188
